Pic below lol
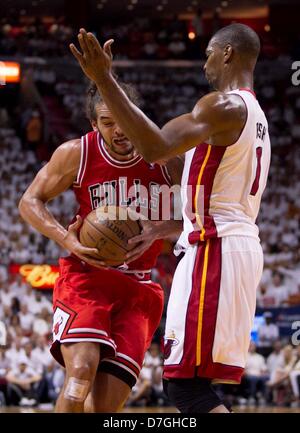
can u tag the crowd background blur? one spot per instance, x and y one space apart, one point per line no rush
162 55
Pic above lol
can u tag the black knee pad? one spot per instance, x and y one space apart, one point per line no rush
192 395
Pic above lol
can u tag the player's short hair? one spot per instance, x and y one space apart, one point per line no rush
241 37
93 97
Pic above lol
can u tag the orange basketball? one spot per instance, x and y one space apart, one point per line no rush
108 228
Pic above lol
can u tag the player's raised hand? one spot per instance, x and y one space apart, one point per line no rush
95 61
88 255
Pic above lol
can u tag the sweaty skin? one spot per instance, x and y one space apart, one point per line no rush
217 117
54 178
59 174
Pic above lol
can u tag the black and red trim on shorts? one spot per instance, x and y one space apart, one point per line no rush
116 364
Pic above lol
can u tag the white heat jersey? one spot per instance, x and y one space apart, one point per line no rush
222 186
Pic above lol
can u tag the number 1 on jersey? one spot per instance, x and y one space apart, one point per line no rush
255 184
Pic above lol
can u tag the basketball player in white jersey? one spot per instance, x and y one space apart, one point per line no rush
227 155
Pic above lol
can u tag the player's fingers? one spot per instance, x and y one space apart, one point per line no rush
138 238
136 252
94 43
94 252
77 54
91 261
107 47
82 39
97 263
133 258
75 226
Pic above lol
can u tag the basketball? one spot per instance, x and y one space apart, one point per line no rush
108 228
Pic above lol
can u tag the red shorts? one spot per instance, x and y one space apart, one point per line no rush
109 307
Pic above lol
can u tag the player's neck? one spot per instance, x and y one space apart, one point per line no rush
119 157
238 81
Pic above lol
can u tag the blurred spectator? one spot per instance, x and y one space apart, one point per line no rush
39 303
42 323
295 378
177 45
15 352
32 360
15 306
55 377
28 297
141 392
6 295
22 384
14 327
41 353
4 368
3 334
293 278
278 291
153 356
34 131
279 381
275 359
267 334
256 375
26 319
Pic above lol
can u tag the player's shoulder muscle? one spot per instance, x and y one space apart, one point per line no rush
221 109
66 158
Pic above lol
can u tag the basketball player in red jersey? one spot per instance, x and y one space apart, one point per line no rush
104 318
227 154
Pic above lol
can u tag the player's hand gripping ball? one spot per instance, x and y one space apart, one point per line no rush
108 228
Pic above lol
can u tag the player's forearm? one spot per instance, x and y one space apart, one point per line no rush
146 137
35 212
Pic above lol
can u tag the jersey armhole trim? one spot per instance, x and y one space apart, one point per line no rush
246 121
166 174
83 162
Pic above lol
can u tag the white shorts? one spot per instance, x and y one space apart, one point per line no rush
211 309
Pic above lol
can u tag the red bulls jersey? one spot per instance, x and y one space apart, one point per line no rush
103 180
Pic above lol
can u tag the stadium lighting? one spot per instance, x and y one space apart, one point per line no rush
191 35
10 72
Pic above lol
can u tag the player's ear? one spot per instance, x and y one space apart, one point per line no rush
228 52
94 125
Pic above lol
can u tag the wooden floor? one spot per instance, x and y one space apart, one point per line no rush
237 409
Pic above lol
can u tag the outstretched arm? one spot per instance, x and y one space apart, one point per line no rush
213 114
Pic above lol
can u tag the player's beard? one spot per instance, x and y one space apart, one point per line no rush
212 82
125 155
